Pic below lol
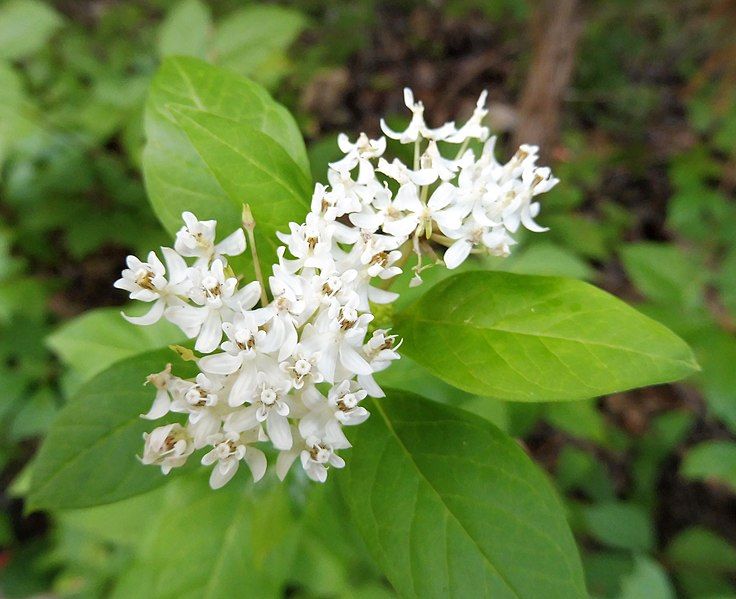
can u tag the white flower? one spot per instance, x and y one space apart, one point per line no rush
335 337
147 282
359 154
417 128
302 367
473 129
496 240
379 352
268 404
311 244
440 208
401 173
196 239
326 416
229 449
165 385
318 457
216 297
439 167
167 446
245 353
201 401
294 370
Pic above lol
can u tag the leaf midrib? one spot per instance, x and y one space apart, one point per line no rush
294 192
429 484
497 328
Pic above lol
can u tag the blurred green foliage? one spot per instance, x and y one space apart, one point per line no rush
72 89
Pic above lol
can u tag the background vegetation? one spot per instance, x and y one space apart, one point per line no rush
638 116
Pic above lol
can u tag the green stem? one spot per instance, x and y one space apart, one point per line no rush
249 224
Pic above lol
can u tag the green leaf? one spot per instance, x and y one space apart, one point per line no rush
106 335
18 118
578 470
214 544
580 419
664 273
252 169
528 338
254 39
124 522
604 571
711 460
618 524
648 580
448 504
185 30
716 350
700 549
25 26
177 178
89 455
544 258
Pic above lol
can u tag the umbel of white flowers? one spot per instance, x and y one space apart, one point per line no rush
293 371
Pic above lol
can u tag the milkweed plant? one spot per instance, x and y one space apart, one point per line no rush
294 313
296 363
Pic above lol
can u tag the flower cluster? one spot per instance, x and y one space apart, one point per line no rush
293 370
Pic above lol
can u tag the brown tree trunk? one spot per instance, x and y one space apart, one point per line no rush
556 30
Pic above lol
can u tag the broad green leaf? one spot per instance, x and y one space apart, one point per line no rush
25 26
528 338
704 585
236 541
648 580
716 351
177 178
253 41
664 273
124 522
580 419
711 460
581 234
605 570
17 114
252 169
700 549
578 470
89 455
618 524
330 550
544 258
666 431
450 506
33 415
185 30
407 375
106 335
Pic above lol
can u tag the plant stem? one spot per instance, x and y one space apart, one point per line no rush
462 149
249 224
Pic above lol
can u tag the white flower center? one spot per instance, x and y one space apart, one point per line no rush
244 338
268 397
302 367
349 401
223 450
211 286
144 278
320 454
